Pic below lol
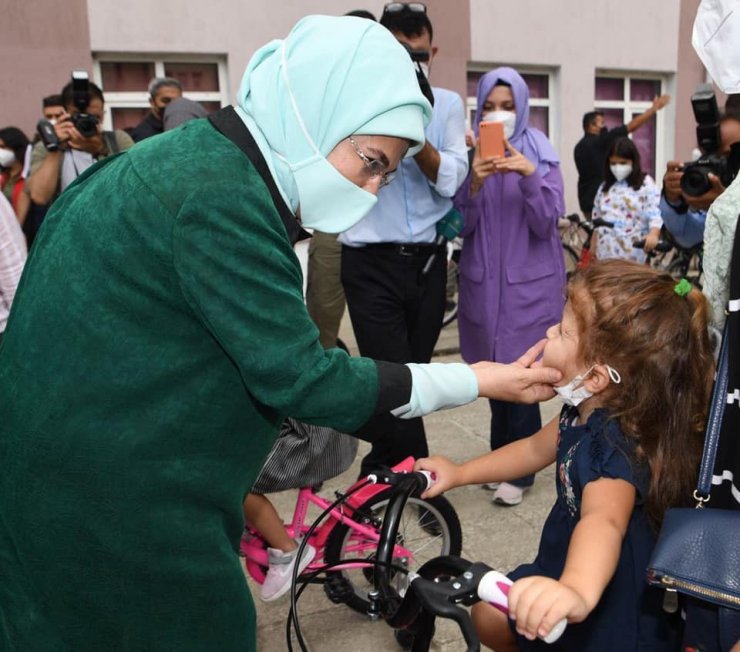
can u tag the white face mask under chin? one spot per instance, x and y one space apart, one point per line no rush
575 392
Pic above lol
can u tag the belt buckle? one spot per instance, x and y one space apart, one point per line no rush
405 250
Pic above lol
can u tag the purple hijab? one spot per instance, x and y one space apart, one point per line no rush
529 141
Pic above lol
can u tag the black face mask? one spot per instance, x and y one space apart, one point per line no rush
603 130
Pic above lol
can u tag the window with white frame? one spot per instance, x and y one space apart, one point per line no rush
124 79
621 98
541 96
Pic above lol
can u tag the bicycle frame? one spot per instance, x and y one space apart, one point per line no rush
255 549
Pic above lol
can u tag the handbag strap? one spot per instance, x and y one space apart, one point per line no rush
719 393
228 122
714 423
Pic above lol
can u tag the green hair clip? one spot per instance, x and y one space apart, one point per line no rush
682 288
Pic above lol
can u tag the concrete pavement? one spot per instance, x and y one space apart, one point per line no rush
500 536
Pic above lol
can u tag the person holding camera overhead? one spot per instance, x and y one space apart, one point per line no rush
73 143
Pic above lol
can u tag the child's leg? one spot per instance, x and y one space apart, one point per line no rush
260 513
493 628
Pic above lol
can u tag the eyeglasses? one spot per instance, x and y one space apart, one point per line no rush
395 7
375 165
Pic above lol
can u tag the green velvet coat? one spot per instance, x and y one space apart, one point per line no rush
158 338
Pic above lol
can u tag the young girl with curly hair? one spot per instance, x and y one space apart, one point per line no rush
637 370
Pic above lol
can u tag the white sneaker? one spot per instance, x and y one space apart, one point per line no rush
280 572
490 486
508 494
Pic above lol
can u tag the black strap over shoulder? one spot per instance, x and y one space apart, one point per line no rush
231 125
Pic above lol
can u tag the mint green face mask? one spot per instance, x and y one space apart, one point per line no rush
329 201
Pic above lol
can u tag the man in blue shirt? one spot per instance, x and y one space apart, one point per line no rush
396 310
684 215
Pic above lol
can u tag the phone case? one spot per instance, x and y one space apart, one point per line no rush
491 138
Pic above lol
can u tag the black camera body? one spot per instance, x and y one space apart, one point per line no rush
695 180
85 123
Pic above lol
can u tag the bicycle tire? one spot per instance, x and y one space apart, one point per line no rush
571 260
411 529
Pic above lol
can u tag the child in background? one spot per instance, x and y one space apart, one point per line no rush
630 200
303 455
637 371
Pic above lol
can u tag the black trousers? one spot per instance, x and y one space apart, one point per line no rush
396 316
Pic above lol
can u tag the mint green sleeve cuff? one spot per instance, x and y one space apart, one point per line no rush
438 386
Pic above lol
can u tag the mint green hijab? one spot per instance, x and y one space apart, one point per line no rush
332 77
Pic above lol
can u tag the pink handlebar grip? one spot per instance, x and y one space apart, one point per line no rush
494 589
430 476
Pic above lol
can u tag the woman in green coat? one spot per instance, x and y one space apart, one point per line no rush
159 337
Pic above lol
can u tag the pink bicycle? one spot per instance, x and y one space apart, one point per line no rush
347 541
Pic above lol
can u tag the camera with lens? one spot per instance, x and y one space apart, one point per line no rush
85 123
419 57
695 179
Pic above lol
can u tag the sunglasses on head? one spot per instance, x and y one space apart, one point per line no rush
396 7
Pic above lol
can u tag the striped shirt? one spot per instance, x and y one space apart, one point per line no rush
12 258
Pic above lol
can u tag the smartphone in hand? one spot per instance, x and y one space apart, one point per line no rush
491 139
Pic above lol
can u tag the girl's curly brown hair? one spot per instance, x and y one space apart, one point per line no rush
630 317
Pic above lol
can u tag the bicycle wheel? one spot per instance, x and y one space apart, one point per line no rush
428 528
688 268
453 287
571 260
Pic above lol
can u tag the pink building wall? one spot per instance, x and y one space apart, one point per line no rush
40 44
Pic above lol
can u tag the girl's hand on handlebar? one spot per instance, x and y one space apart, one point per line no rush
537 604
523 381
446 473
651 239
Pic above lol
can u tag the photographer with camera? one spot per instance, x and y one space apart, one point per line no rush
72 143
690 188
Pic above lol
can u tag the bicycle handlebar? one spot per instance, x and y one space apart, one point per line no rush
441 584
422 479
662 246
588 226
466 583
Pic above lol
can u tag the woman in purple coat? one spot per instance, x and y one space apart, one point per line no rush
512 275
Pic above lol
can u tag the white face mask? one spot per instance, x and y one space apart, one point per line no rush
621 170
508 118
715 38
575 392
7 157
328 200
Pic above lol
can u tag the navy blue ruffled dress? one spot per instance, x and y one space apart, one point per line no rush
629 615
